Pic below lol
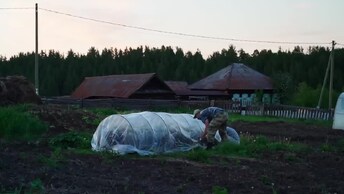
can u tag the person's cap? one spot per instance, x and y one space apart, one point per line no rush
196 112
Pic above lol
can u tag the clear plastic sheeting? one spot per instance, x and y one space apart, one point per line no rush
148 133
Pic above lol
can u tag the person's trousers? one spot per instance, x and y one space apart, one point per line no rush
219 122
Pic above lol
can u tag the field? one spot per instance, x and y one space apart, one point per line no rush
280 157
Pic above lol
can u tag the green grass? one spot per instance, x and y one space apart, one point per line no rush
17 124
249 147
104 112
252 118
337 147
54 159
174 110
219 190
78 140
71 142
34 187
253 146
199 155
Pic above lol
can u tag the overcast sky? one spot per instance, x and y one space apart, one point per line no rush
297 21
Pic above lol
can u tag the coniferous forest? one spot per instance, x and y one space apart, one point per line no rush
297 73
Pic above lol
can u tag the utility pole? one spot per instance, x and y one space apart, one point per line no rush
331 76
36 54
329 69
325 80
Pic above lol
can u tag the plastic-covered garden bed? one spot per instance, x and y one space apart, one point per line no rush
151 133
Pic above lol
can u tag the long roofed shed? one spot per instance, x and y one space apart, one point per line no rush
123 86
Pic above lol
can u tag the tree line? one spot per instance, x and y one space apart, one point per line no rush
293 71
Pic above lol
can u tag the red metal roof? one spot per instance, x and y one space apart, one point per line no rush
236 76
181 89
117 86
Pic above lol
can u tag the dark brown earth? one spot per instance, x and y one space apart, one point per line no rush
273 172
17 89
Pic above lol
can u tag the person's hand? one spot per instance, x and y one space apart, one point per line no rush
203 141
206 123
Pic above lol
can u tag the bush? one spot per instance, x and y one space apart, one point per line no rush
309 97
18 125
72 140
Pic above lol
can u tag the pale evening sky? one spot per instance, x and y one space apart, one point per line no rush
296 21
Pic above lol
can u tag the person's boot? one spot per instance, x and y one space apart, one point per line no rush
223 134
211 145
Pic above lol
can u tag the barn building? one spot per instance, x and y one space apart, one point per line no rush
129 86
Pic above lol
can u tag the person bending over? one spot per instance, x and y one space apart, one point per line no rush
214 118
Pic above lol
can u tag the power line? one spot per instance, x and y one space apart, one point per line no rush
8 8
170 32
184 34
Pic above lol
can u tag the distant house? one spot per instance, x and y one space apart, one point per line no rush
133 86
237 82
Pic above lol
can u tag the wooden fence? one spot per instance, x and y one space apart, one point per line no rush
284 111
278 110
293 112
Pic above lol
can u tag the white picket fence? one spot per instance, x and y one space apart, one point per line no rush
285 111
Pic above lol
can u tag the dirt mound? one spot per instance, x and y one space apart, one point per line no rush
17 90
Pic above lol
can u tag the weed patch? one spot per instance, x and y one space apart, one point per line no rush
72 140
53 160
18 125
219 190
250 146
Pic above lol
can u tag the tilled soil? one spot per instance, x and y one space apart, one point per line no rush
22 164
